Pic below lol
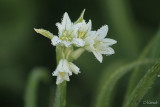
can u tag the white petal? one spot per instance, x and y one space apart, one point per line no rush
63 76
89 45
59 80
77 26
90 36
55 40
75 29
98 56
58 69
66 77
60 28
66 22
78 42
67 43
85 27
89 25
63 71
102 32
109 42
108 51
74 68
66 67
55 73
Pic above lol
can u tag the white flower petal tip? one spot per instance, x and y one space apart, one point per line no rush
64 70
98 56
109 42
109 51
66 24
85 27
102 32
66 21
74 68
89 25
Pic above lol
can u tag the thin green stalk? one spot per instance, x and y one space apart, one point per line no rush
60 98
37 75
77 53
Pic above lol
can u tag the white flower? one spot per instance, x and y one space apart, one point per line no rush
67 34
85 33
84 29
101 44
64 70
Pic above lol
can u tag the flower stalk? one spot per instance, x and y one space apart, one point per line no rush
60 98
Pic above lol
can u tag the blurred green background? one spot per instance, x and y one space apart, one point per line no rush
131 22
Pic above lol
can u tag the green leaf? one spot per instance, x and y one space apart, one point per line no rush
44 33
156 48
143 86
151 51
37 75
80 19
103 99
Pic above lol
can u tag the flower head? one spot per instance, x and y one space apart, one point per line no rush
67 33
72 40
101 44
64 70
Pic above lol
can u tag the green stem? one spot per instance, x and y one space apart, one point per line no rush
37 75
60 98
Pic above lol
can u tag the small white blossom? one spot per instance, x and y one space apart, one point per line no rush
101 44
84 28
64 70
67 34
85 33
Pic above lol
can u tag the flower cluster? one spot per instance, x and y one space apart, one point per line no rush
72 40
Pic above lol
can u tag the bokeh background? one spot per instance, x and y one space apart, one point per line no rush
131 22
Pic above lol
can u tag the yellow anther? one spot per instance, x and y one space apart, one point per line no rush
61 73
81 34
